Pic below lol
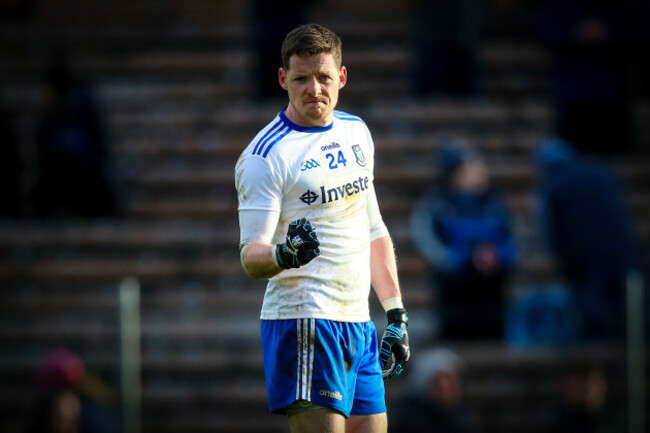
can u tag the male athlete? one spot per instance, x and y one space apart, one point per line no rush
310 223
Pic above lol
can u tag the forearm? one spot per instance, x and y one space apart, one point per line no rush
395 349
258 261
383 269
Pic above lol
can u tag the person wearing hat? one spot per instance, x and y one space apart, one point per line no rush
462 229
68 397
435 400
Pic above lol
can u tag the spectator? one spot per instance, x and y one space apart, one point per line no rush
463 230
584 218
593 44
73 177
62 405
435 403
582 405
446 35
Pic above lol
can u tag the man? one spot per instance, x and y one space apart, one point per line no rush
435 401
583 215
463 230
310 223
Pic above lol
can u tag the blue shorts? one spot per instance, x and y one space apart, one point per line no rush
333 364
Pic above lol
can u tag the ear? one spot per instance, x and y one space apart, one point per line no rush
282 78
343 76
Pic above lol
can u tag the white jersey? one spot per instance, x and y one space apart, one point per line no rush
324 174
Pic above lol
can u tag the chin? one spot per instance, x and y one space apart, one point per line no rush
317 114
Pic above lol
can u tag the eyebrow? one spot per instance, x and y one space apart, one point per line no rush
312 72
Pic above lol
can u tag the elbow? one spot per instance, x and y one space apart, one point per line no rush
250 271
259 274
252 266
242 261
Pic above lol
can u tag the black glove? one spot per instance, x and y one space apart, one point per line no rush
300 247
395 349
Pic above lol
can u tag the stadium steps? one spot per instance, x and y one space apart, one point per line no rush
216 143
160 13
145 248
155 249
157 262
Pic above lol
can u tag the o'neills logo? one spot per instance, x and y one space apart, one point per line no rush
335 394
332 145
336 193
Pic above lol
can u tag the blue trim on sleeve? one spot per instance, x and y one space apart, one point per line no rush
275 141
264 137
342 115
273 138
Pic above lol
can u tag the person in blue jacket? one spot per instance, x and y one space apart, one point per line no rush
463 230
585 221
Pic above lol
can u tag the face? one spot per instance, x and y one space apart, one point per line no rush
65 413
471 176
445 389
313 85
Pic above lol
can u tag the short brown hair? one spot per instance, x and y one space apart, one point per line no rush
311 39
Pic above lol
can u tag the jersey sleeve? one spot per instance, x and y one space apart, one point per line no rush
256 226
259 184
371 147
377 226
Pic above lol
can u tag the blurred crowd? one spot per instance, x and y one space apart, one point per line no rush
463 229
439 400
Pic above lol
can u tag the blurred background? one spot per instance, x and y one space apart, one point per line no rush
123 306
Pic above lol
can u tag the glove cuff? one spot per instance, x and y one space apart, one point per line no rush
397 315
280 258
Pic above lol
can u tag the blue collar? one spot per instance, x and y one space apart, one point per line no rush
299 128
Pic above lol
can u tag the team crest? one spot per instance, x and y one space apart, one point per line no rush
358 154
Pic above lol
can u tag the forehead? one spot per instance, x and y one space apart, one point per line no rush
321 62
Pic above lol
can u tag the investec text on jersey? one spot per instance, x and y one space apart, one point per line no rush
332 194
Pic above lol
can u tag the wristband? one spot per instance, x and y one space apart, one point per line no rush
275 256
391 303
241 258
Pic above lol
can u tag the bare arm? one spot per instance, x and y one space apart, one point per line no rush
256 251
383 265
258 261
383 269
395 350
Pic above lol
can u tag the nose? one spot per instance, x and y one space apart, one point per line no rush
314 87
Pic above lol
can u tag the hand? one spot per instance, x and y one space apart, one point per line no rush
485 259
300 247
395 349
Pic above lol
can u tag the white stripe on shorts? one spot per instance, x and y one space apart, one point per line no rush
305 335
312 334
